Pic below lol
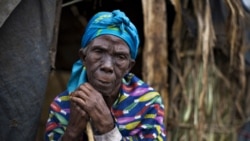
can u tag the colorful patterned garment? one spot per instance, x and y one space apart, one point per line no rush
138 113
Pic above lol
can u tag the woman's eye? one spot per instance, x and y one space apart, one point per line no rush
121 56
98 50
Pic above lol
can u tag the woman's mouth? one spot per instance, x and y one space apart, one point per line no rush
105 83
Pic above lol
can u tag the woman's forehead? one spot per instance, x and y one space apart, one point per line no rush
111 38
110 41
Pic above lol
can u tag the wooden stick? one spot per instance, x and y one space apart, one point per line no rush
70 3
90 133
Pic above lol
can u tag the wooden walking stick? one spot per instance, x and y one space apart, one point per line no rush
90 133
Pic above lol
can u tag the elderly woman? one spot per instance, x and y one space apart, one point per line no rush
103 92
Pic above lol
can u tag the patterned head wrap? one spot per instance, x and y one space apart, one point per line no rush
112 23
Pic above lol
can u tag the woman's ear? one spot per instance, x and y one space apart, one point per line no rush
131 65
82 54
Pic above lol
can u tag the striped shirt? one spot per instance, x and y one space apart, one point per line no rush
138 113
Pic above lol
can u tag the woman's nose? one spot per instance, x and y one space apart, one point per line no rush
107 65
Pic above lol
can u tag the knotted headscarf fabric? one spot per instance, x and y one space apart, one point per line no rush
105 23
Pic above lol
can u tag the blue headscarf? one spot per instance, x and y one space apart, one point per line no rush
112 23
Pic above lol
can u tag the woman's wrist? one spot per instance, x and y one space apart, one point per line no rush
70 135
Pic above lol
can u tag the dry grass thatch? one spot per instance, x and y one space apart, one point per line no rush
207 71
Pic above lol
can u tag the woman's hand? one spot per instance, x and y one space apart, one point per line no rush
91 101
77 122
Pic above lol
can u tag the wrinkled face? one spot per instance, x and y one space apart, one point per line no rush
107 59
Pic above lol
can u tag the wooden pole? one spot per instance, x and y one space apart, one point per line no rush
90 133
155 48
